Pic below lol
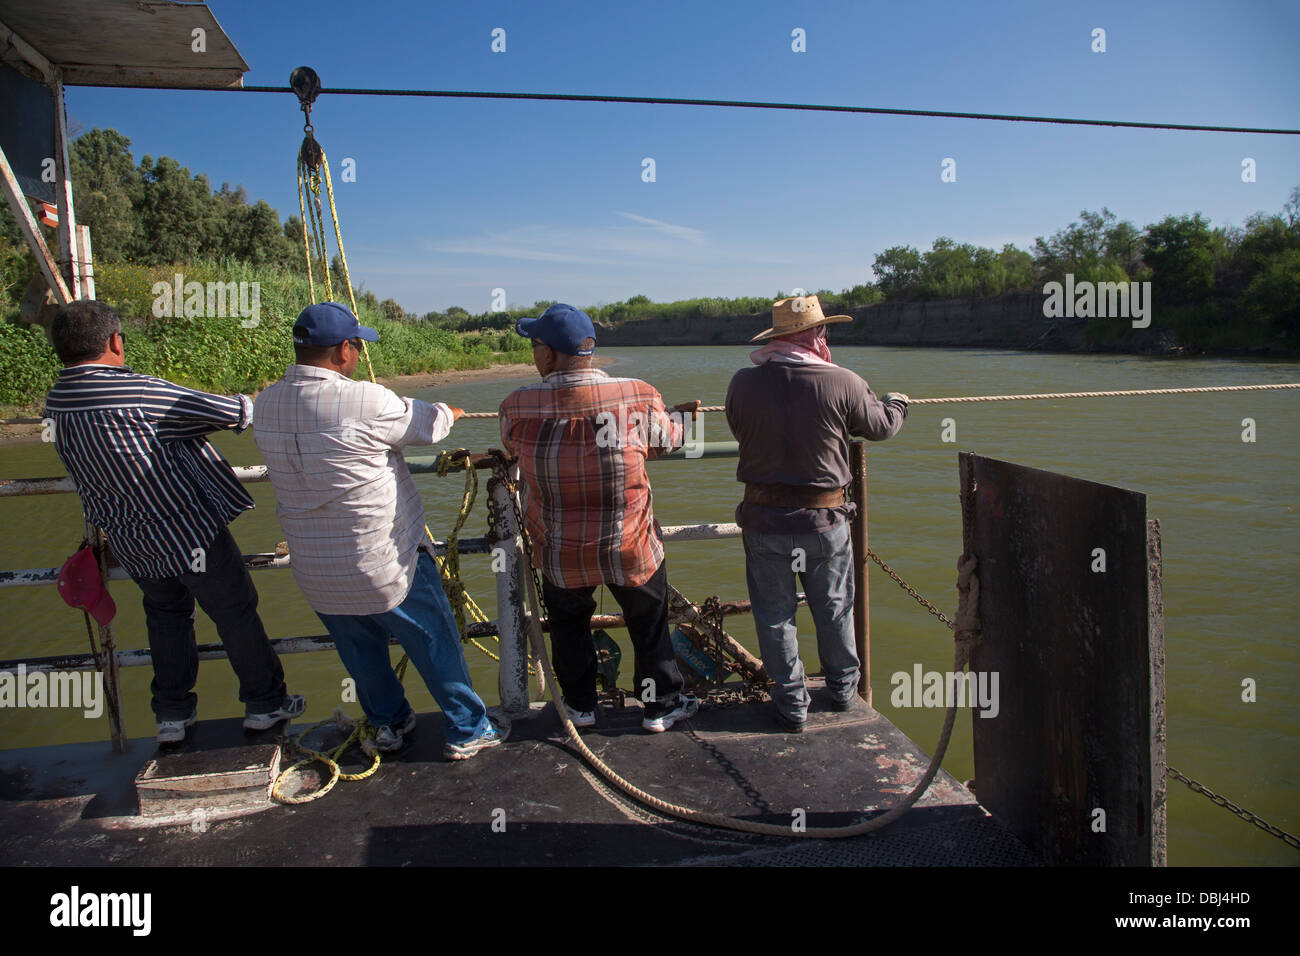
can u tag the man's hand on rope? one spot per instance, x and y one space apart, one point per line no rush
692 407
456 413
890 396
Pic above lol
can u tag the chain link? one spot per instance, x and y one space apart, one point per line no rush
1227 804
910 590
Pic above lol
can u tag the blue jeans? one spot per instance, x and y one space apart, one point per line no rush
425 627
826 564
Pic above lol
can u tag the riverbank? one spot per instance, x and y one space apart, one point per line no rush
1016 321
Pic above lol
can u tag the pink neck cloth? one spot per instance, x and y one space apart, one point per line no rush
795 345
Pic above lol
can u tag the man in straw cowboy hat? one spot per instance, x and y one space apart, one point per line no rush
793 414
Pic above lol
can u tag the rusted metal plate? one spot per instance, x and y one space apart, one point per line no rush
211 780
1156 625
1070 762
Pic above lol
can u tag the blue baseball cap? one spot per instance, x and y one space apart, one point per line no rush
329 323
562 327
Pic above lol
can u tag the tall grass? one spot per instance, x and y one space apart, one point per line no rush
219 354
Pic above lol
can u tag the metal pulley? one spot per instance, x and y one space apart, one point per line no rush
306 84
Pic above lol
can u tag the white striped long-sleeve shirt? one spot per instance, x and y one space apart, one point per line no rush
345 498
134 446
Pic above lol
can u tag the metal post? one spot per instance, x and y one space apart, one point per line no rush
87 262
861 590
512 627
69 260
108 649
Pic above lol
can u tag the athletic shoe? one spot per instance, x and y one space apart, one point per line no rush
489 738
294 706
173 731
581 718
854 703
788 724
389 738
686 708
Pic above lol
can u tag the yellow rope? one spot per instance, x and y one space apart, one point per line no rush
306 247
360 731
449 565
460 600
312 210
309 205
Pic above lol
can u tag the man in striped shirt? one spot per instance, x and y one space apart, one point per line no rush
582 439
134 446
355 525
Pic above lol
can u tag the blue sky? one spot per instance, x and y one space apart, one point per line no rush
454 198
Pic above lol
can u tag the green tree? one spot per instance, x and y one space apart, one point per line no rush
107 189
1180 253
180 219
1082 247
1272 300
1019 274
898 271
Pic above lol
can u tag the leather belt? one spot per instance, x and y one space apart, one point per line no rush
793 496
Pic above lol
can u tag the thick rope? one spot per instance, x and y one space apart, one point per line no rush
360 732
968 588
1038 395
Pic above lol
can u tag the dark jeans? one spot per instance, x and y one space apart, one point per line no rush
645 609
226 594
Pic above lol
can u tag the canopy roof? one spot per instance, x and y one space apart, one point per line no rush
146 43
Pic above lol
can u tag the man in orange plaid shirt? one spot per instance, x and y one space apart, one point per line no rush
582 439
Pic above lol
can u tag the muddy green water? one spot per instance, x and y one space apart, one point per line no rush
1228 512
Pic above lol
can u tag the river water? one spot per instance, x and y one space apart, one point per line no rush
1228 513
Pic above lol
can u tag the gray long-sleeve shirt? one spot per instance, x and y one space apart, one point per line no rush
793 423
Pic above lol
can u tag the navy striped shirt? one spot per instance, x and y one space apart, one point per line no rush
135 448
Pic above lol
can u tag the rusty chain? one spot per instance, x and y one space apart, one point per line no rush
910 590
1243 813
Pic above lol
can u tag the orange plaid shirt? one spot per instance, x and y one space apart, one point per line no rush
582 440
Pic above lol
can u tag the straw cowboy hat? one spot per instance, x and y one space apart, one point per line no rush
796 314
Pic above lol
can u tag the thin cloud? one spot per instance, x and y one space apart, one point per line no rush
693 236
489 247
588 245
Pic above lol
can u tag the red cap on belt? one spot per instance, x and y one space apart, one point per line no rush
81 586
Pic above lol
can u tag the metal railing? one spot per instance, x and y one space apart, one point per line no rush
512 619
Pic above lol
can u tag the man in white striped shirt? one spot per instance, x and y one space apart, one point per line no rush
355 526
134 446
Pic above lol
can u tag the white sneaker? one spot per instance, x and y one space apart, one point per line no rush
294 705
686 708
580 718
389 738
489 738
173 731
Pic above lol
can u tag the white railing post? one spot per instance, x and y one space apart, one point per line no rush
512 624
